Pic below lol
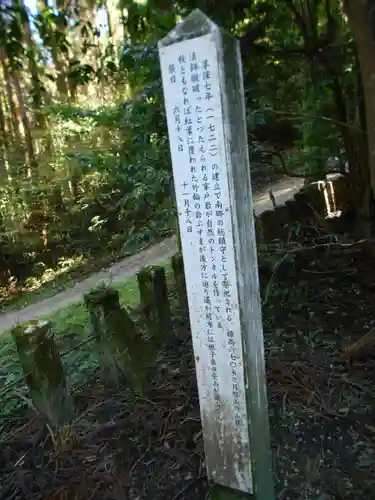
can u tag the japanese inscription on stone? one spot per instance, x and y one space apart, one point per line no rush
192 93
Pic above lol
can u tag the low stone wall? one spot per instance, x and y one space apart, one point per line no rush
311 206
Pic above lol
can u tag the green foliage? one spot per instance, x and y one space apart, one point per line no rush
101 172
105 184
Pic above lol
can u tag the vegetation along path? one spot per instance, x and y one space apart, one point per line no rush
282 190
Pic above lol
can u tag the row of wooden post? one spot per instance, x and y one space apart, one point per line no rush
124 350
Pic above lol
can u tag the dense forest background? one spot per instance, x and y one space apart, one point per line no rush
84 156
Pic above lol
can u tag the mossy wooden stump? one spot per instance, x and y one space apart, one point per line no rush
272 226
121 348
305 211
180 283
43 371
155 305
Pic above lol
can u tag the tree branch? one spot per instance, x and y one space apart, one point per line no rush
286 172
299 20
323 118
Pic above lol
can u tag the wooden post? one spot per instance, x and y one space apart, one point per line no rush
154 297
179 279
204 100
177 226
120 345
43 371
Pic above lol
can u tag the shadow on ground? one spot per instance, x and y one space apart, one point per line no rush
321 408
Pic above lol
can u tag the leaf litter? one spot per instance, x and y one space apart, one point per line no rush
321 406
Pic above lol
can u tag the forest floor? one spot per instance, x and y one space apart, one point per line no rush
150 448
283 190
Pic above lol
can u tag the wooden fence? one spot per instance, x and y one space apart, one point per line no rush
125 343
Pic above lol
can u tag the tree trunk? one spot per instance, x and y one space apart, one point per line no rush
2 123
61 77
8 118
37 91
31 160
3 140
108 15
10 100
360 20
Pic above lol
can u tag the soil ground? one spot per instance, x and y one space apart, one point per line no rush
283 190
150 448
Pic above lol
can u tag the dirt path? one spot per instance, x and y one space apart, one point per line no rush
129 266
